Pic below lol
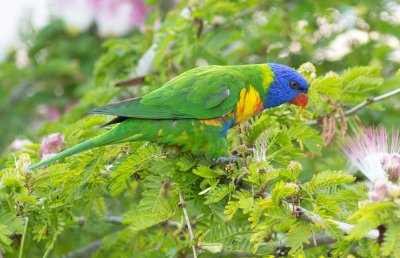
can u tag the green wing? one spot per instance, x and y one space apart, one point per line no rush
201 93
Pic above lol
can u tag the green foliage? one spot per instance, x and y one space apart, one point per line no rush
9 225
230 235
327 179
390 247
158 203
125 198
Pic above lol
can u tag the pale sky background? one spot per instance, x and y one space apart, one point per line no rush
12 13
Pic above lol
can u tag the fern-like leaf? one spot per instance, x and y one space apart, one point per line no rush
327 179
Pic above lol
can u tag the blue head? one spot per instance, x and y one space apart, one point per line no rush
288 85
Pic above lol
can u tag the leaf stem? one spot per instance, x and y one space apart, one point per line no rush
185 213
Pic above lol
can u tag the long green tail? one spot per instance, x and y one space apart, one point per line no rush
116 134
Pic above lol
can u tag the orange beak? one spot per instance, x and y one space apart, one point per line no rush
300 100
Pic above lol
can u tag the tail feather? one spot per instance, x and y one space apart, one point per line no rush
116 134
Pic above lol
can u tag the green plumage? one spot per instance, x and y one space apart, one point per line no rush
201 93
191 112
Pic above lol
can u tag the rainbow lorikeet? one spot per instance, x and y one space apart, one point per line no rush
194 111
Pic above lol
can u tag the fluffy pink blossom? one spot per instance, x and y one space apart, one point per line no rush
51 145
375 153
112 17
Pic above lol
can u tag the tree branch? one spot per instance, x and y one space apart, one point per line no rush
345 227
185 213
360 106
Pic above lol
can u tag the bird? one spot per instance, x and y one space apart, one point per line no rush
193 111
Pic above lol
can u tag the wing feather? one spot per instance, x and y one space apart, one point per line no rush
201 93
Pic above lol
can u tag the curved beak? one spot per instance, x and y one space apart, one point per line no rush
300 100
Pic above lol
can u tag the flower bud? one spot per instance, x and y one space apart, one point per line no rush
294 166
307 70
242 149
391 164
51 145
380 191
293 186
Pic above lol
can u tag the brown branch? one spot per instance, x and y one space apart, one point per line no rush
359 106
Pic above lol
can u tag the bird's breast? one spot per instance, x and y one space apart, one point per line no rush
248 105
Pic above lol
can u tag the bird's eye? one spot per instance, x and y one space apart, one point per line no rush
294 85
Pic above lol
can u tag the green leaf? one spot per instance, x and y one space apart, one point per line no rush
370 217
327 203
9 224
230 209
297 236
232 235
327 179
219 193
133 163
207 172
157 205
282 190
391 244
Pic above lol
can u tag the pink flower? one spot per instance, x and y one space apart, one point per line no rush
119 16
382 190
375 153
51 112
51 145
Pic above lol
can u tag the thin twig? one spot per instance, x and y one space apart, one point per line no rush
185 213
21 250
112 219
361 105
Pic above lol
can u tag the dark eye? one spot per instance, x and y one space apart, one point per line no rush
294 85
